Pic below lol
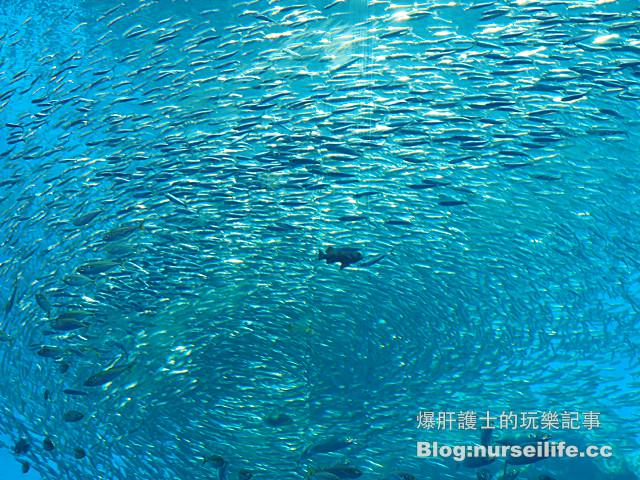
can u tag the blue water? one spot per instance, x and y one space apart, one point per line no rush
236 230
11 470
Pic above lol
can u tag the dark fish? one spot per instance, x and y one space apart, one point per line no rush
5 337
546 178
12 298
398 222
333 4
21 447
366 194
220 464
223 471
327 446
79 453
86 218
570 98
281 227
76 280
72 416
343 255
96 267
278 420
25 467
545 477
513 165
77 393
43 303
451 203
121 232
245 474
216 461
352 218
47 444
119 250
50 351
434 183
106 376
66 324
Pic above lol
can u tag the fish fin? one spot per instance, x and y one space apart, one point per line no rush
321 255
343 265
373 261
222 472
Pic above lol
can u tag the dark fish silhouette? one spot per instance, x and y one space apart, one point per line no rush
47 444
22 446
106 376
245 474
327 446
216 461
12 299
43 303
70 391
278 420
50 351
86 218
73 416
345 256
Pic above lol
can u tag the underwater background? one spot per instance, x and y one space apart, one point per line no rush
257 239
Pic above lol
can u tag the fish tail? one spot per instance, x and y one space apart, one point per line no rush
124 351
321 255
222 472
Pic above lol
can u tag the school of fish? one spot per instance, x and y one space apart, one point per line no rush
254 239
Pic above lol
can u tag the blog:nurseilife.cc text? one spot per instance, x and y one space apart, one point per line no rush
540 450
